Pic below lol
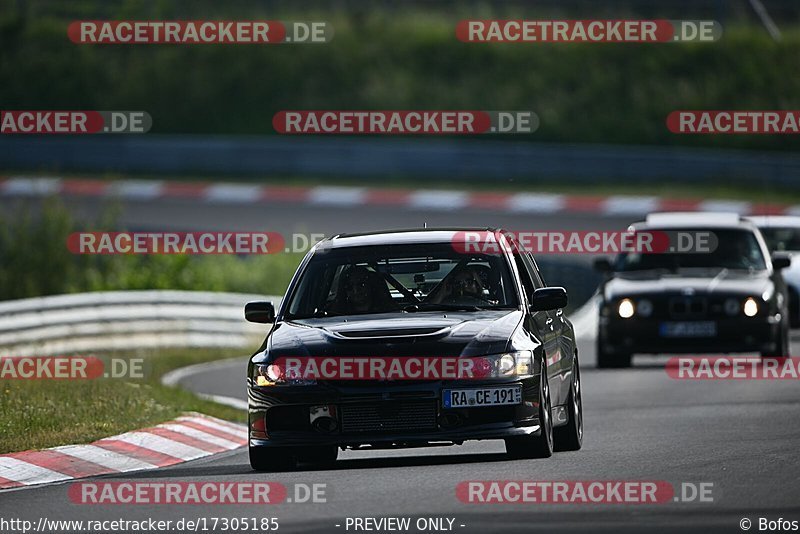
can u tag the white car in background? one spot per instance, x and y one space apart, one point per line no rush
782 234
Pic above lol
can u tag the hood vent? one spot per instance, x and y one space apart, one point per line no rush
389 333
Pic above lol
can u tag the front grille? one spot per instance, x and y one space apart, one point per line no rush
688 307
390 416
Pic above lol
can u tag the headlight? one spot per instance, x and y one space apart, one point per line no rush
731 306
273 375
645 308
505 365
750 307
626 309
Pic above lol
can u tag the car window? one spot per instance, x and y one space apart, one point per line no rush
780 239
736 249
381 279
533 270
525 276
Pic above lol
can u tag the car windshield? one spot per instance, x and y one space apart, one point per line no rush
400 278
779 239
736 249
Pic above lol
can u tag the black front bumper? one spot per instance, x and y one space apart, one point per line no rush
385 415
644 336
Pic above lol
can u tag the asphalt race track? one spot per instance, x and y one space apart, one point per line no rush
640 424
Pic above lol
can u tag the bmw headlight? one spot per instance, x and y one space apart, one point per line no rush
626 308
750 307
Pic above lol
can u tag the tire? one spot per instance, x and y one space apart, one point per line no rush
782 350
271 459
541 446
318 456
611 360
570 436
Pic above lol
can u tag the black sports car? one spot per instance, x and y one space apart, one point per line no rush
725 300
415 293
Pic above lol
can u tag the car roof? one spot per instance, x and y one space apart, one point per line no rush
399 237
775 221
693 219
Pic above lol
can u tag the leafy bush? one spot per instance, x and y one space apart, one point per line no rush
36 262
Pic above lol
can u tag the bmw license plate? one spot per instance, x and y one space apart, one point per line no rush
688 329
477 398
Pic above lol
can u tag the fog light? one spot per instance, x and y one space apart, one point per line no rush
645 308
626 309
323 418
750 307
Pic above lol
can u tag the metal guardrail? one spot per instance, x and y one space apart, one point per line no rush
369 159
125 320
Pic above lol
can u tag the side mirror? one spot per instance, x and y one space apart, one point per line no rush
549 298
781 260
602 265
259 312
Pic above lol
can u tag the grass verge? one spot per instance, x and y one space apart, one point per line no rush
36 414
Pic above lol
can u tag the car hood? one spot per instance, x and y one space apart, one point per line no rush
406 334
706 282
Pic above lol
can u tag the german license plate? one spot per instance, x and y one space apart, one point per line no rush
688 329
477 398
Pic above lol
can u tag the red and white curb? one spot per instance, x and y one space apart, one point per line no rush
189 437
414 199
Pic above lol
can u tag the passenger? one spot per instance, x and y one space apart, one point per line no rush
461 287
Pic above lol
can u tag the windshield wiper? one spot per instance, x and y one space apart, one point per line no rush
430 306
316 315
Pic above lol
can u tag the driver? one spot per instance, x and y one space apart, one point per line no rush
363 291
